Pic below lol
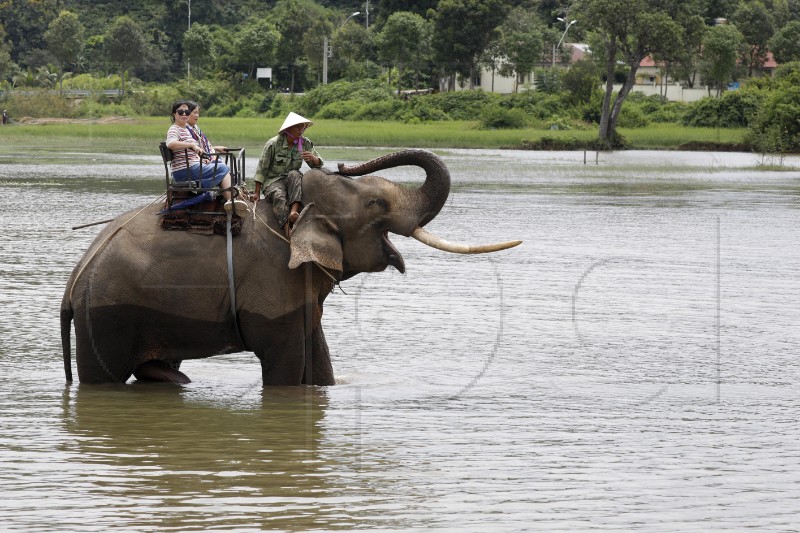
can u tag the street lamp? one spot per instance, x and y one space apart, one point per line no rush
557 46
328 52
357 13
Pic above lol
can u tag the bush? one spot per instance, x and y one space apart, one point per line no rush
703 113
344 110
154 100
214 96
735 109
590 111
647 103
37 104
553 143
229 109
280 106
246 112
776 127
558 123
632 116
669 112
581 81
496 117
97 109
361 70
93 83
740 107
536 104
420 109
527 101
463 105
265 101
787 70
549 106
548 80
364 91
380 110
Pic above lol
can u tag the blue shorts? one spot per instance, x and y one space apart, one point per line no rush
210 177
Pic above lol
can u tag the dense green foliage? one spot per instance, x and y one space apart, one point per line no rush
735 109
158 51
775 128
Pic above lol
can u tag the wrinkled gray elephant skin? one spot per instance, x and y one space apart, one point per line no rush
144 299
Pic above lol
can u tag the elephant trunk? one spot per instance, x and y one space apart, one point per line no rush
413 207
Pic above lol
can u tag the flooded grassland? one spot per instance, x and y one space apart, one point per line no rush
633 365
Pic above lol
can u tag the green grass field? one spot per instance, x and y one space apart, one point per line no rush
143 135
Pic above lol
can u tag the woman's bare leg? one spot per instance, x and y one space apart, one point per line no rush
225 184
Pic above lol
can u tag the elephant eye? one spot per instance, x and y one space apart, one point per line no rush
378 201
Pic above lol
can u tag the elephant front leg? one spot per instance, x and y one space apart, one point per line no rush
282 365
293 360
318 366
281 350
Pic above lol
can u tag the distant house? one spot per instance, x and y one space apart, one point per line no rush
493 82
649 77
768 68
650 72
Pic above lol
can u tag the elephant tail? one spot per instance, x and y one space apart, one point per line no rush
66 348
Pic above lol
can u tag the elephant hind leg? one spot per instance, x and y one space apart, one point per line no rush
157 370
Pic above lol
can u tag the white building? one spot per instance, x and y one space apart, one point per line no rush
648 78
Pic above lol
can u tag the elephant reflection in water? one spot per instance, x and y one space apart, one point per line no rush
143 299
150 444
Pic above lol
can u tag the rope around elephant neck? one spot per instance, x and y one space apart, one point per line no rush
100 247
252 206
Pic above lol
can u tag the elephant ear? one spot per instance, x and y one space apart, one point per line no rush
315 239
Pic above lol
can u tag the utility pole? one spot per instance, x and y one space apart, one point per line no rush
188 68
325 52
366 11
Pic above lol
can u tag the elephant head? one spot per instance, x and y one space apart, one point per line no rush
346 223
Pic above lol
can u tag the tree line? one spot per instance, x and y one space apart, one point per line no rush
411 45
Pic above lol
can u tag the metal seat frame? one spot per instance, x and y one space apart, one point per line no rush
234 158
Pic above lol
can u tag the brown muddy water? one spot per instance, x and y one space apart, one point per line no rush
632 366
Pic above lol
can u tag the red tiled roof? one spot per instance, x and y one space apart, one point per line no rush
769 63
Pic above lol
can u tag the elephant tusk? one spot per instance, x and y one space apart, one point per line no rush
433 241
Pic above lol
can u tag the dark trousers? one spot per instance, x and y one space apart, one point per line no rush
282 193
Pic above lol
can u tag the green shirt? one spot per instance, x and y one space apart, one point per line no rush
279 157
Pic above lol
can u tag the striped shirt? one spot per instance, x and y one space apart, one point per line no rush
176 133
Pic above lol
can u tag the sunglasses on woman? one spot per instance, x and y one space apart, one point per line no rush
183 112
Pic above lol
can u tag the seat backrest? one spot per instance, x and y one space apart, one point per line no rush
166 156
166 153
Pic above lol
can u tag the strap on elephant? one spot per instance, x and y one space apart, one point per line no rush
231 285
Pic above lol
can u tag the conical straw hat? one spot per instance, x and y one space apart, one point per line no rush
293 119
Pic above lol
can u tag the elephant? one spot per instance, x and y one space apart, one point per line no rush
144 299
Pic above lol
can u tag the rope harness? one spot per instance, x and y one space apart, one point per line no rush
235 192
